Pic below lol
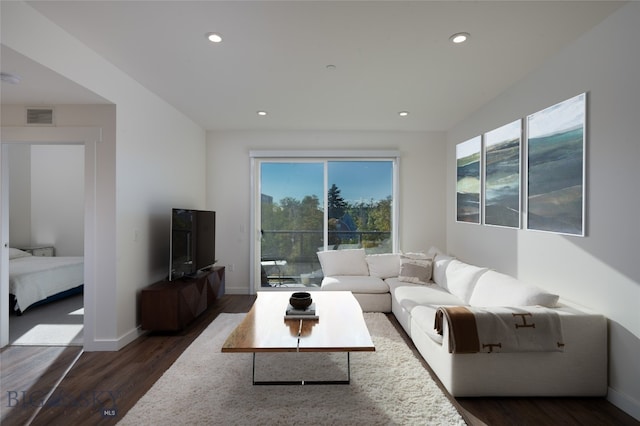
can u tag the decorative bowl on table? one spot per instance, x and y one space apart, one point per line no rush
300 300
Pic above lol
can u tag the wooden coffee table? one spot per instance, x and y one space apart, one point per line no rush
340 328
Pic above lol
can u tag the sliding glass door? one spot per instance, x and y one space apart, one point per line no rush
291 221
360 205
305 205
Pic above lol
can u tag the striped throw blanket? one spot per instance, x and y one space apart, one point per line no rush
500 329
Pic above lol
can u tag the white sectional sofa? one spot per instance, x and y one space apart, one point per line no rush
414 287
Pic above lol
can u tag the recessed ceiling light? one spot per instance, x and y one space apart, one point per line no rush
403 113
214 37
459 37
331 67
262 113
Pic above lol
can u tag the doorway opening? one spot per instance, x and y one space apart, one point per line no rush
46 244
88 138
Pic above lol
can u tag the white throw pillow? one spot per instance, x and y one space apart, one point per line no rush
385 265
440 263
343 262
417 271
497 289
14 253
461 278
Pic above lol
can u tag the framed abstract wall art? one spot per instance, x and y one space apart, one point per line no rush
502 175
468 181
556 168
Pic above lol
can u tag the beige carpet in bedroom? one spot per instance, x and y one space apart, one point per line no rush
58 323
207 387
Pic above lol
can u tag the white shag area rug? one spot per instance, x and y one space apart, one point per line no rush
207 387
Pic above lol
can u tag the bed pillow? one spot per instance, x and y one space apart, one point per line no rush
417 271
14 253
343 262
385 265
497 289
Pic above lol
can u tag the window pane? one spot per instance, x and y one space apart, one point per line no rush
359 201
292 209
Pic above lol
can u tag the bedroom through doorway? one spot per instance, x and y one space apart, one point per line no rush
46 224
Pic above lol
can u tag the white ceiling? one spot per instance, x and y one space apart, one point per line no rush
39 85
389 56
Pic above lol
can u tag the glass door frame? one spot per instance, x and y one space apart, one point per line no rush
258 157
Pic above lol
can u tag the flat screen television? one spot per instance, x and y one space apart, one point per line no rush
193 242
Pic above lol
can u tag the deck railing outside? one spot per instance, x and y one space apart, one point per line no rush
289 258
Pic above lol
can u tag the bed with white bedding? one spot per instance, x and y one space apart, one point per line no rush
33 279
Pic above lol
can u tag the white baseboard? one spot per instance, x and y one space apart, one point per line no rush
101 345
129 337
113 345
623 402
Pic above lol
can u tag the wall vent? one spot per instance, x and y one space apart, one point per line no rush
40 116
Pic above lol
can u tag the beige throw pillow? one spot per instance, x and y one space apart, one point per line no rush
417 271
385 265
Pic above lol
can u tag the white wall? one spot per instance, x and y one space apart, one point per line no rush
19 160
46 192
601 270
152 158
57 198
422 176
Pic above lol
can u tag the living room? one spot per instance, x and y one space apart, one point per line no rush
599 270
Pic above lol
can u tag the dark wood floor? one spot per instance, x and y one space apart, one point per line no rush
112 382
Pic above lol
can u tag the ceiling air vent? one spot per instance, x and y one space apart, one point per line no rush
42 116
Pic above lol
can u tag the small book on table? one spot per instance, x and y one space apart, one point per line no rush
308 313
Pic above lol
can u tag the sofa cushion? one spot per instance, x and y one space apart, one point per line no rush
417 271
384 265
497 289
411 295
343 262
424 316
355 284
461 278
440 263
